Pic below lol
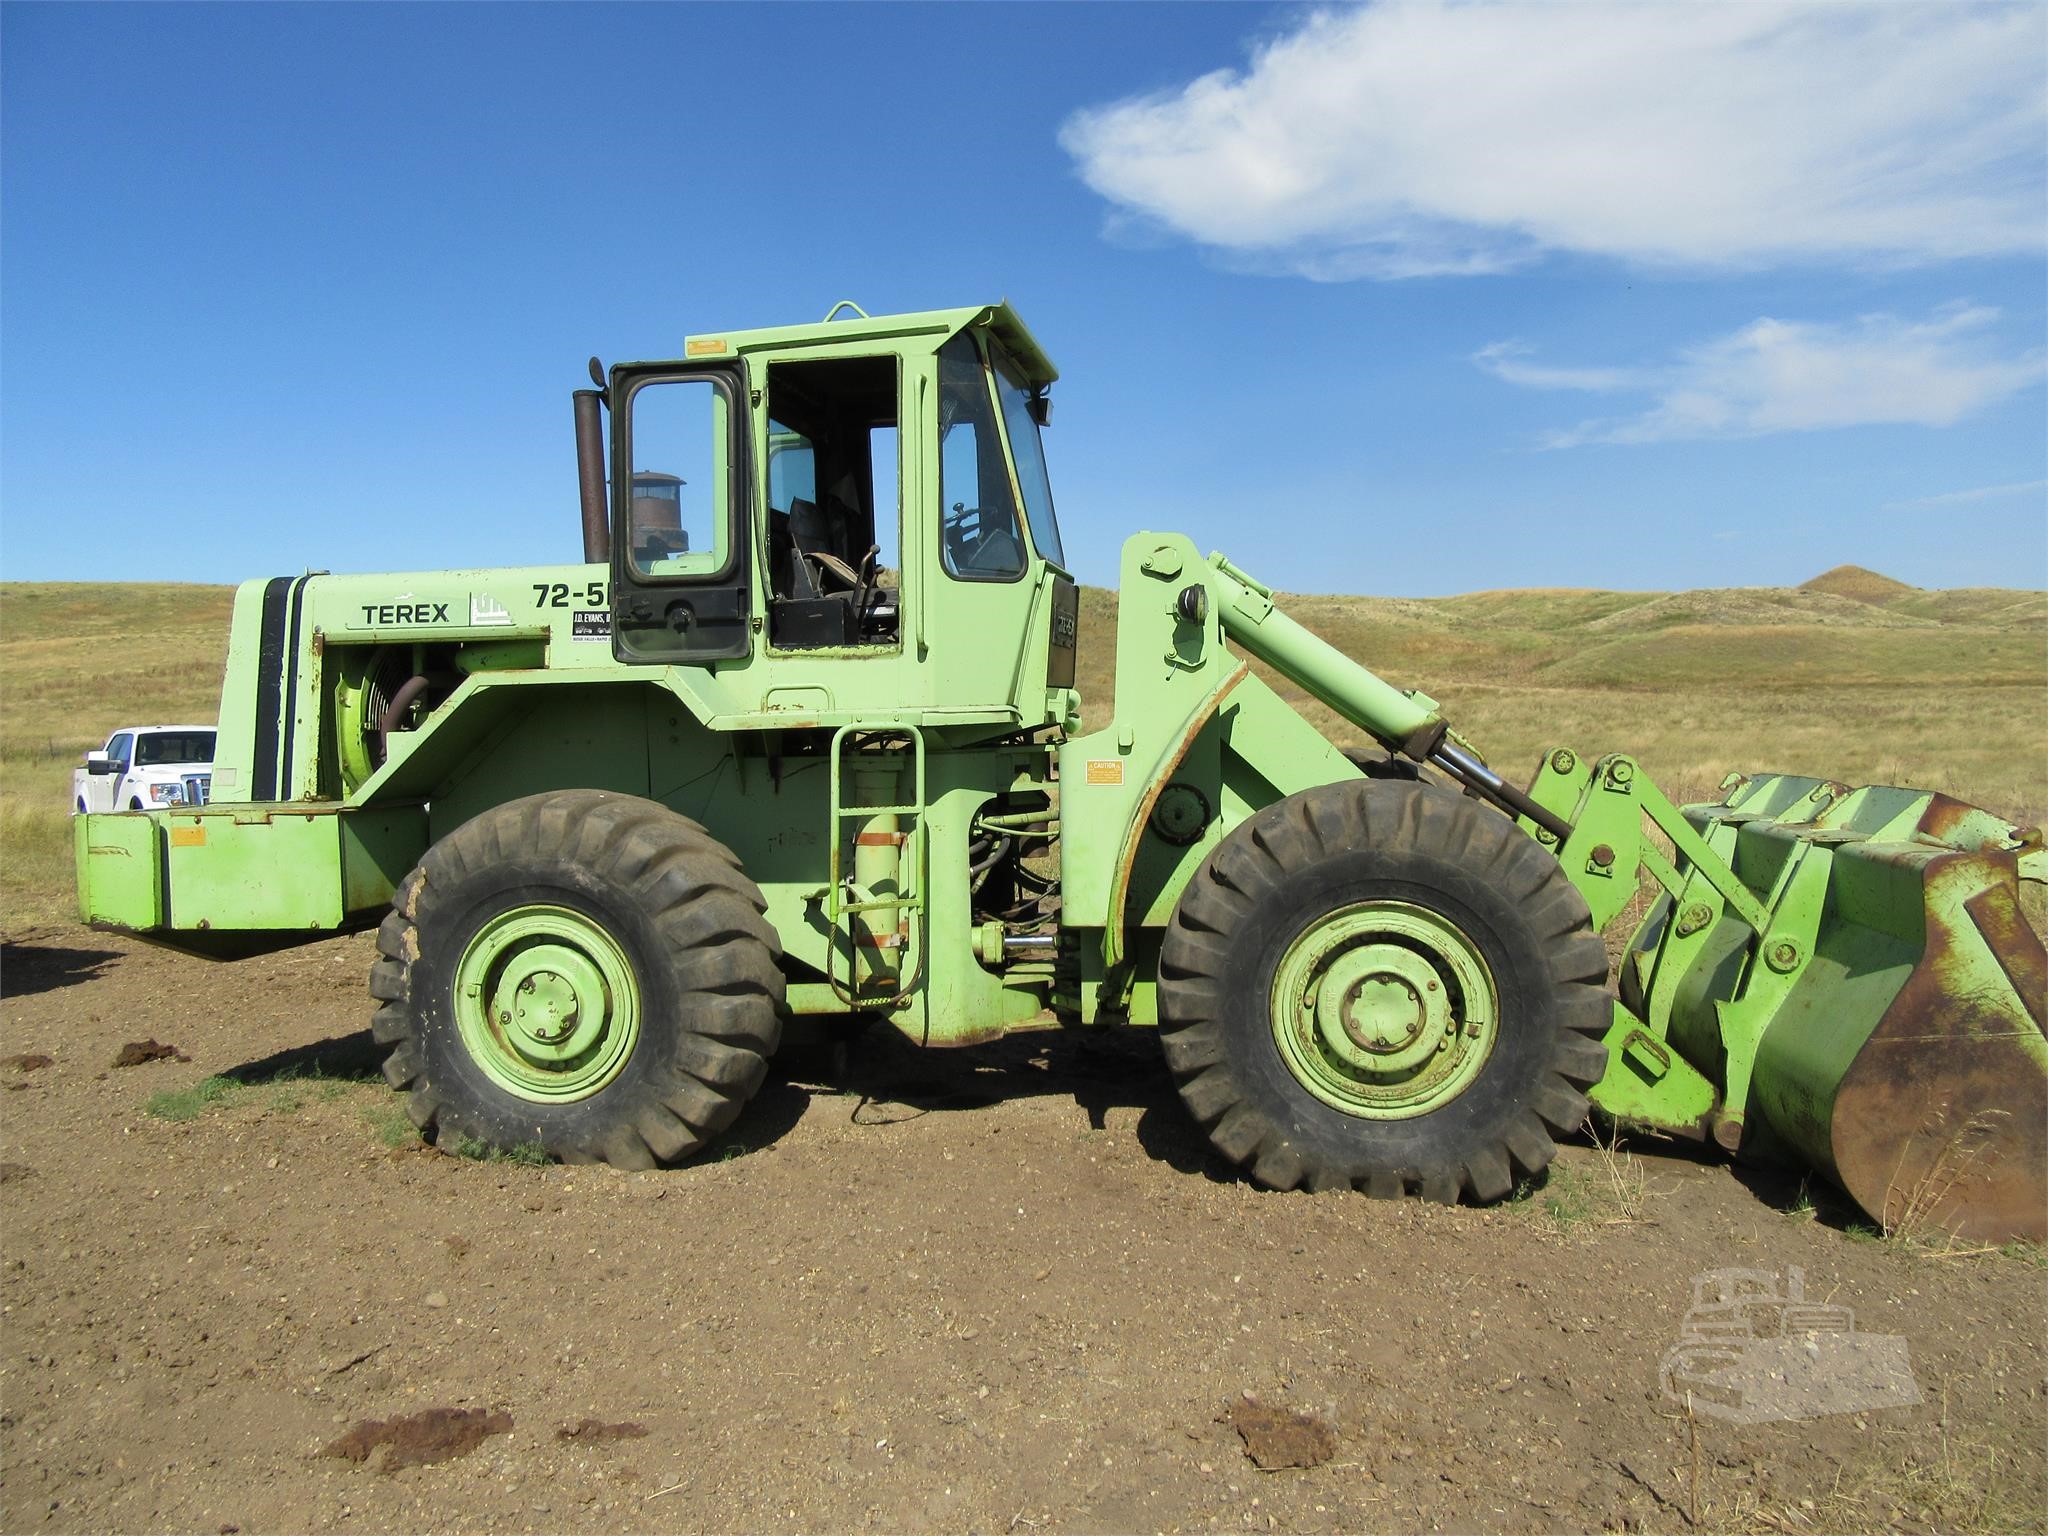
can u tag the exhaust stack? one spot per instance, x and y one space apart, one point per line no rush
597 533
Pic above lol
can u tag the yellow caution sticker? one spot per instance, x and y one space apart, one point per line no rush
704 346
188 837
1105 770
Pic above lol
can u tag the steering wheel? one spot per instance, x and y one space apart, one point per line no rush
965 536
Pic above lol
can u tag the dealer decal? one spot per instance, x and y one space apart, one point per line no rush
591 624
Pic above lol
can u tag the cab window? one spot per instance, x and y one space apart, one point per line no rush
173 747
979 535
1029 451
679 494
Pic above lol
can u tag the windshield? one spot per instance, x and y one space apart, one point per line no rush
1029 454
173 747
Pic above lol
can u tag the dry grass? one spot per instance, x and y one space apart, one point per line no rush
1894 1485
1613 1192
76 661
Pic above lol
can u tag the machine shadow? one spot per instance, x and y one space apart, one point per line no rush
27 969
352 1058
881 1078
1795 1193
884 1078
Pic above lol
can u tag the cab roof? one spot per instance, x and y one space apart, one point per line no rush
999 319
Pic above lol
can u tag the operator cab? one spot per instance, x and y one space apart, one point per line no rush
822 487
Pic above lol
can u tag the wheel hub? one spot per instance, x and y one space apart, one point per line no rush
1384 1010
551 1002
546 1003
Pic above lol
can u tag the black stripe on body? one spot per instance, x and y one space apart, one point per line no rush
269 677
290 700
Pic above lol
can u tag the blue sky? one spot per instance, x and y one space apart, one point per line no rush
1408 299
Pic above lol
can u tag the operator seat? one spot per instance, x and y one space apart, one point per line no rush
818 544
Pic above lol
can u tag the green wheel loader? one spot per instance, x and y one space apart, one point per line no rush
800 736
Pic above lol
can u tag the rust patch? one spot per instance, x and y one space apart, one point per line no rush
2013 945
420 1439
1276 1437
597 1431
1940 1125
1134 839
137 1052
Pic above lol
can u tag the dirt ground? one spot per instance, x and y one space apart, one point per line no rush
1003 1290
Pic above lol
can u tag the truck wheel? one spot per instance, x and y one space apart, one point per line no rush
1385 985
585 971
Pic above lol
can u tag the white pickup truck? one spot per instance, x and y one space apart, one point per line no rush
143 767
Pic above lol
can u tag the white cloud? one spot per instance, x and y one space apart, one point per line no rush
1417 137
1978 493
1792 376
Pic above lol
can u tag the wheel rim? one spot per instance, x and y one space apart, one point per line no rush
1384 1010
546 1004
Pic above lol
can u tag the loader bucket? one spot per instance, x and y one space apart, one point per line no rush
1887 1028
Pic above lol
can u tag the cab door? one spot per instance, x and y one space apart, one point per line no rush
681 571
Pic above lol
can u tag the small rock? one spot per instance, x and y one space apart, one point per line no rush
594 1431
437 1298
28 1061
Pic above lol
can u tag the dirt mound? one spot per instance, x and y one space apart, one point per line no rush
138 1053
1276 1436
1853 581
420 1439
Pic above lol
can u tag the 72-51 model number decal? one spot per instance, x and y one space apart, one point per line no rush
555 594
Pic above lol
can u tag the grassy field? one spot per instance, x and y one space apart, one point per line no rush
1852 676
78 660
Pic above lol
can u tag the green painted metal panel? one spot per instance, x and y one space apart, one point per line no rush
119 867
251 868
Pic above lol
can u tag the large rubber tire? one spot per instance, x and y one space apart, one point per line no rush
643 904
1374 863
